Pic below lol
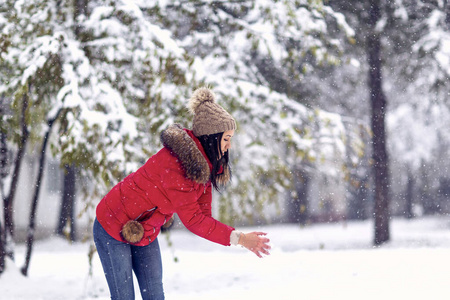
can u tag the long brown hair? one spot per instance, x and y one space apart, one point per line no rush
211 145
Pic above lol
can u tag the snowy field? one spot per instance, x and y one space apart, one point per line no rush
331 261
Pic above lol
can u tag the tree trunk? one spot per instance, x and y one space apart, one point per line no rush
34 203
409 196
66 216
378 101
298 204
3 174
429 202
358 202
2 251
4 161
8 200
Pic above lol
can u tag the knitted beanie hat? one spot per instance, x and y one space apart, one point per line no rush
209 117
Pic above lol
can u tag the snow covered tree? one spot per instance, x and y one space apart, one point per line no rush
100 82
421 116
413 39
370 19
27 65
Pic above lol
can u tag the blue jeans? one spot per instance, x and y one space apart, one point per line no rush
120 259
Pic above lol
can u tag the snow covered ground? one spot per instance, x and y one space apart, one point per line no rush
323 261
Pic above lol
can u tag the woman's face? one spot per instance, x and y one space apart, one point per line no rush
225 143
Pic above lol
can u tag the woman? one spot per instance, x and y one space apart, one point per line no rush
178 179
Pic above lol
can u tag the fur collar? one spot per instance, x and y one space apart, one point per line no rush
181 145
185 149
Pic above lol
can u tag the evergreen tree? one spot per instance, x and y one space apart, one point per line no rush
99 77
421 114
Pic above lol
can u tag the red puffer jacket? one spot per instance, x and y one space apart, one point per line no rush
174 180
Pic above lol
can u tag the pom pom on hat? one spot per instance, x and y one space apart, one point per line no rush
209 117
200 96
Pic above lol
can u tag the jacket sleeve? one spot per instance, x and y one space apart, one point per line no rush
185 200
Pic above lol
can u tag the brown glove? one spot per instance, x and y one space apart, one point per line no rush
132 232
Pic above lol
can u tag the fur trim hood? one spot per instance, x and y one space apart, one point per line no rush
195 164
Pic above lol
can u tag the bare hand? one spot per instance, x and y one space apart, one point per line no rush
254 242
